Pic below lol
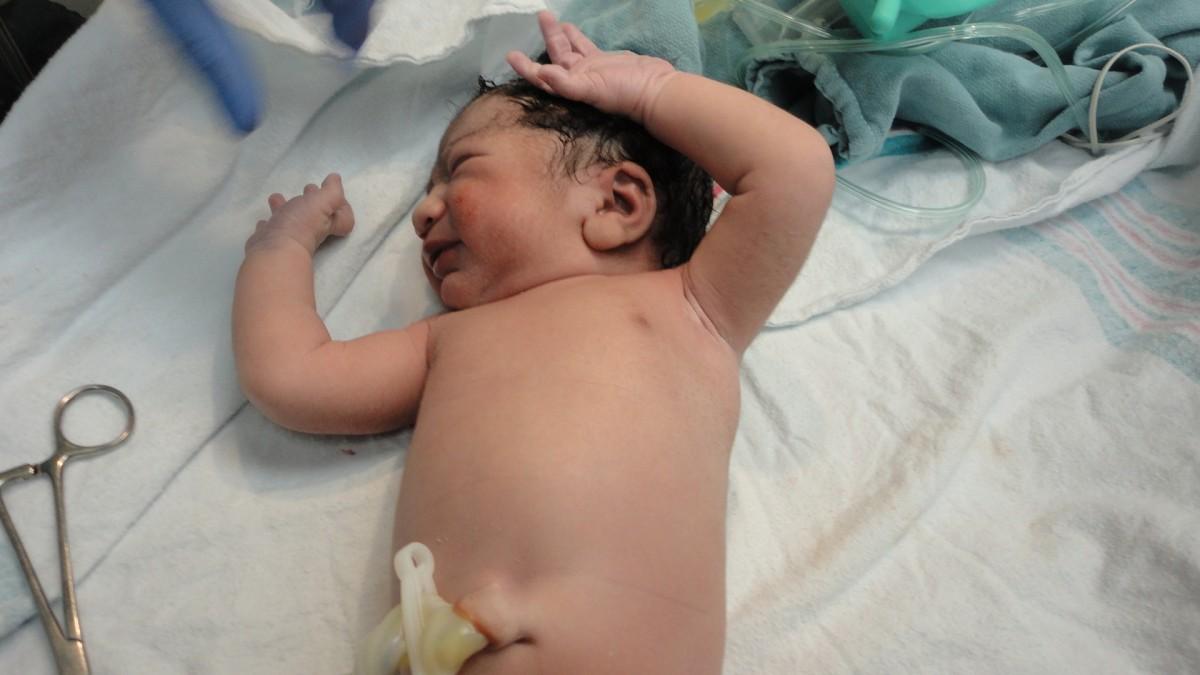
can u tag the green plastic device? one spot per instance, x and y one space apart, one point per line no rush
891 19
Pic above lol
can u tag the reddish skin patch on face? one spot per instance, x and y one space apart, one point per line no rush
464 208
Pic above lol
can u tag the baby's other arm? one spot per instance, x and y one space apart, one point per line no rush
287 364
779 174
777 169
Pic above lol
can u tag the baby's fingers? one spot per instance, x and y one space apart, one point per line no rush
341 216
328 197
582 43
558 45
332 182
342 220
557 80
527 68
276 201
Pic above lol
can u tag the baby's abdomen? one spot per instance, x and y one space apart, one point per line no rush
600 512
563 472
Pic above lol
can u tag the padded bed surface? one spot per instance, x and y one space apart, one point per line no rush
969 448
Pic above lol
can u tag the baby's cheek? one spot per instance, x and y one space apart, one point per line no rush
465 206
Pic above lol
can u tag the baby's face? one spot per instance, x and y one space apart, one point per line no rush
497 218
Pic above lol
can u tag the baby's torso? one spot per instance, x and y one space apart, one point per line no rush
582 427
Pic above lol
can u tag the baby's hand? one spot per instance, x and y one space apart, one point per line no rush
622 83
306 219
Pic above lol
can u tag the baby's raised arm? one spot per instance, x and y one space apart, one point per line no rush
287 364
777 169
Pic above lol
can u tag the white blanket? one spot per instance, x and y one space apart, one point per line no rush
991 468
963 473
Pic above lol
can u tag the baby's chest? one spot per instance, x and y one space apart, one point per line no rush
586 333
586 401
577 391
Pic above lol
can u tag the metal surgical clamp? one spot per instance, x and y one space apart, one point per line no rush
67 643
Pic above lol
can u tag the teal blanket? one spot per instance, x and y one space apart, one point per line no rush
663 28
986 94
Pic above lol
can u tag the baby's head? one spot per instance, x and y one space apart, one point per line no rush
531 188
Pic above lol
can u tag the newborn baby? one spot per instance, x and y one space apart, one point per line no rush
575 410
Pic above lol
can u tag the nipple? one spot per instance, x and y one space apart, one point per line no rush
423 635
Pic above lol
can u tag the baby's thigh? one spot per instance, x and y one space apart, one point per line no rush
579 625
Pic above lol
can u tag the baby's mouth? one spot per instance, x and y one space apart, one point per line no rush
439 253
434 250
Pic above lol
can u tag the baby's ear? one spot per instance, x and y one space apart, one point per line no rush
626 211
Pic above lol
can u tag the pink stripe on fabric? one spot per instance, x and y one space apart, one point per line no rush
1129 233
1162 303
1162 228
1126 308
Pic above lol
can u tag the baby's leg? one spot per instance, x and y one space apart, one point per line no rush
581 625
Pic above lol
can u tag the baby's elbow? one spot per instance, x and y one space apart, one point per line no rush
273 394
257 389
819 165
824 179
810 179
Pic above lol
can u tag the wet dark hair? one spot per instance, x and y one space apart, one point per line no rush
683 191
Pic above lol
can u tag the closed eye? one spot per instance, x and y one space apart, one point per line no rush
439 177
459 161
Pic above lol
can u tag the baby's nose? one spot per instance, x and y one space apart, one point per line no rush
429 210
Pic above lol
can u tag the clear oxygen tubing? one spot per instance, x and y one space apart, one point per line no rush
781 18
976 182
920 41
1021 15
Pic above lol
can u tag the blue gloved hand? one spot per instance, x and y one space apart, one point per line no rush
351 20
211 47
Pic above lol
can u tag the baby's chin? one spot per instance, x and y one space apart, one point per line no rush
454 295
464 291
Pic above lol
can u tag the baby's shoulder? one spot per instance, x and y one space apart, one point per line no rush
659 293
660 302
613 321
